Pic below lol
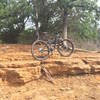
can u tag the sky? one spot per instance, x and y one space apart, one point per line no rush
98 2
99 6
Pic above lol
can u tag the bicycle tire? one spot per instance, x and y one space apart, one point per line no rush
61 43
34 47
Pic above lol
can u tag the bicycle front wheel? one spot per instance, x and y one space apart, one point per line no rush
65 47
40 50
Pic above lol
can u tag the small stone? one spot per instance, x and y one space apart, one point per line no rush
65 89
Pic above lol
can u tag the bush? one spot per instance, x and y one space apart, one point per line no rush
1 41
26 37
10 37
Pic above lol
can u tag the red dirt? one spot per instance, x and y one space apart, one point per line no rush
78 78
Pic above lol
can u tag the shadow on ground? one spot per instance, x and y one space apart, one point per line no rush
11 77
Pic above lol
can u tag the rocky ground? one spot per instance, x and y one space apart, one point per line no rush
75 78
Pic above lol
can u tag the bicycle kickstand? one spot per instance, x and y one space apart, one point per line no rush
46 73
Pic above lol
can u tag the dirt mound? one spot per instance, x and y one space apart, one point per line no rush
18 67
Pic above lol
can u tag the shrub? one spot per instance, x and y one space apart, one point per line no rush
26 37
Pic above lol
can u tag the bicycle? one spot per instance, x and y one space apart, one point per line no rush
41 50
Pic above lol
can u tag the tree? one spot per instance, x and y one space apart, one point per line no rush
42 14
78 17
85 12
14 15
35 16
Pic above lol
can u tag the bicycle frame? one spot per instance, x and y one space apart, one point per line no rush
53 43
50 46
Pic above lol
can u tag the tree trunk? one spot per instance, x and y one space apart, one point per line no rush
98 40
37 30
65 25
36 18
44 15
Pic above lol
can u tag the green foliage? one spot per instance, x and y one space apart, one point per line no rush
13 16
26 36
83 16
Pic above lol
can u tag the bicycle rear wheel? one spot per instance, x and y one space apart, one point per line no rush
40 50
65 47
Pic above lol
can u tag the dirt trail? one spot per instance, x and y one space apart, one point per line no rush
78 78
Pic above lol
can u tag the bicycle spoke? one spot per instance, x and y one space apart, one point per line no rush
40 50
65 48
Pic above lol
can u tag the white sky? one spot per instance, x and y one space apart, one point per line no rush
99 6
98 2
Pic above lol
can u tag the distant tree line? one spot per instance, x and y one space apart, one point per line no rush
77 18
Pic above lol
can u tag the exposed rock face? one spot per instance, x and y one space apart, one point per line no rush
18 71
17 61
